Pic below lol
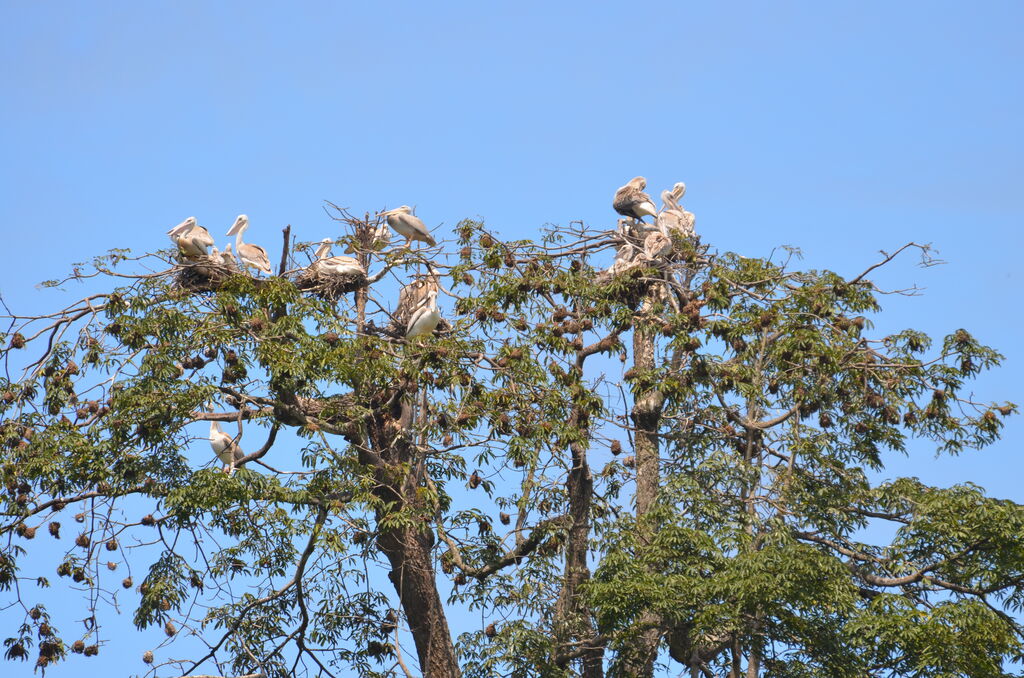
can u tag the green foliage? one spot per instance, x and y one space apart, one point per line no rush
752 400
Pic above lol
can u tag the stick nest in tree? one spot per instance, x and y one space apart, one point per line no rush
203 276
329 286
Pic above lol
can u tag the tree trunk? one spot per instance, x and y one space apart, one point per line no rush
637 659
412 573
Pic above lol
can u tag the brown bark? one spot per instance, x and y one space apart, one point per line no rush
408 549
637 658
412 573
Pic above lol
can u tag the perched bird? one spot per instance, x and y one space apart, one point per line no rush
408 225
224 446
227 258
339 265
631 201
657 245
624 256
191 238
251 255
425 318
672 217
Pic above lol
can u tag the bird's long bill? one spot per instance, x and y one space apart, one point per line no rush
388 213
180 228
235 226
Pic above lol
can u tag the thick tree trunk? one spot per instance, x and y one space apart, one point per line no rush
637 659
412 573
408 549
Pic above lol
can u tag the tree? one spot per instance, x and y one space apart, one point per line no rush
733 532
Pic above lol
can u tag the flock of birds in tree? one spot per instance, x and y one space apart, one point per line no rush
195 244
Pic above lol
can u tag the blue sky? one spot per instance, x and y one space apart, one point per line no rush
841 128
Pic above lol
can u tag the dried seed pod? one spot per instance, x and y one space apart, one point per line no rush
148 519
29 533
165 605
78 647
504 518
629 462
17 340
460 579
147 657
486 241
83 540
127 582
331 338
78 576
616 447
79 517
490 631
91 650
474 480
111 565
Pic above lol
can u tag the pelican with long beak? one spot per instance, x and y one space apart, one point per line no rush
225 448
408 225
631 201
339 265
425 318
191 238
251 255
672 217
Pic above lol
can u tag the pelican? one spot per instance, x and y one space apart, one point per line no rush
623 258
656 245
425 318
251 255
227 258
224 446
408 225
672 216
339 265
191 238
631 201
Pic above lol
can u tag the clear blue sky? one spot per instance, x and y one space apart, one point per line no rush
842 128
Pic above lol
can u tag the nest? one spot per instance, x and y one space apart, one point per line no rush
329 286
203 275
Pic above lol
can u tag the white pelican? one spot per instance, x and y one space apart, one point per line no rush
631 201
656 245
408 225
224 446
339 265
672 216
191 238
251 255
227 258
425 318
623 258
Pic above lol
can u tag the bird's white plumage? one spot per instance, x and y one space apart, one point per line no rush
224 447
424 319
408 225
250 255
191 238
657 245
337 265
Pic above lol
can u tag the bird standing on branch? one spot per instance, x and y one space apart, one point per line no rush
631 201
251 255
225 447
408 225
